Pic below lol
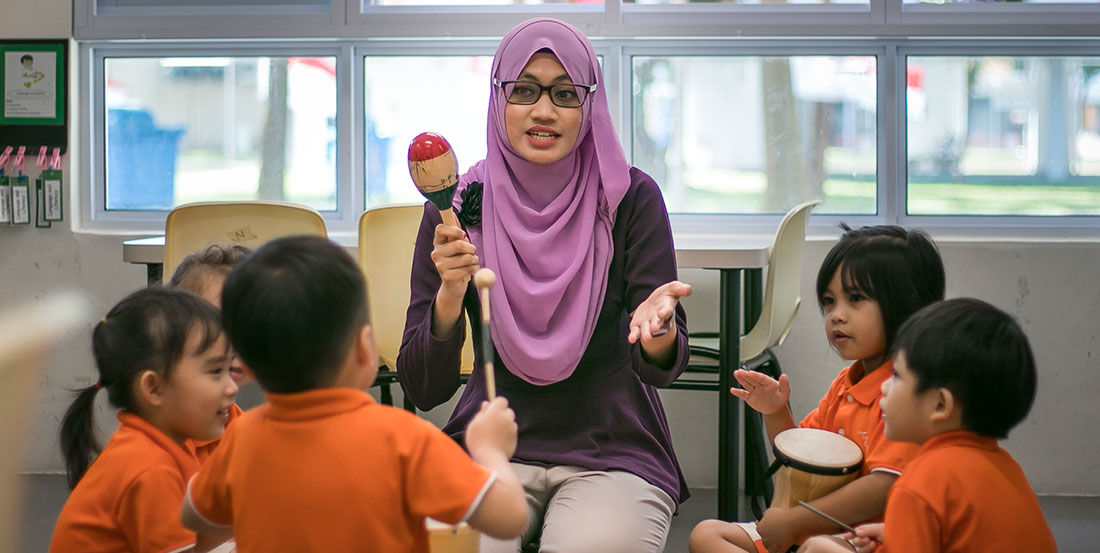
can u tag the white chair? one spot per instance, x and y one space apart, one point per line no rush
192 227
29 332
780 305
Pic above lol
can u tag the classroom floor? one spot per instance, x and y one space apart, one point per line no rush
1075 521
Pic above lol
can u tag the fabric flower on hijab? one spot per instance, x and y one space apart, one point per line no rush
469 213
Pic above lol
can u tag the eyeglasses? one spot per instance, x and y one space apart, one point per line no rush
565 95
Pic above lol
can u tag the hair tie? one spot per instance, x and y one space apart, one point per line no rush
98 385
103 320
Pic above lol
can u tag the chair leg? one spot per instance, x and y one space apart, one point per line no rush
386 394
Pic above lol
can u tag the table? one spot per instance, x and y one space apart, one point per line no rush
732 255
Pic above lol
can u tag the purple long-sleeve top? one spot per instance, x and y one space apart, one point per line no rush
607 415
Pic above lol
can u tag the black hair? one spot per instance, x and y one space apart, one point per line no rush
980 354
292 311
26 57
147 330
900 269
192 272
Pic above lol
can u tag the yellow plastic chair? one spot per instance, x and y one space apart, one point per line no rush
29 332
192 227
387 238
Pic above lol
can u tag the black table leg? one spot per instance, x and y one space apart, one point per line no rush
729 357
154 273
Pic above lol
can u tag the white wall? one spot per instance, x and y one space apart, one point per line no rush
1052 287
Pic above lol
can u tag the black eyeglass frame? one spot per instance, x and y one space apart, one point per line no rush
588 88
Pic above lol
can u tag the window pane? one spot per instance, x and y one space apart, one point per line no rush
478 2
752 134
746 2
1003 135
182 130
408 95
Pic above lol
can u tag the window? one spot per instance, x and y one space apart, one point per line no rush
739 109
755 134
185 129
1003 135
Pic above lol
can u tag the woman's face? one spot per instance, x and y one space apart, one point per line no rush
542 132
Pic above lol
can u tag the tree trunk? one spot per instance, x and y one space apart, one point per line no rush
273 152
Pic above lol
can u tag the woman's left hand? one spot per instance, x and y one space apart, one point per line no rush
654 315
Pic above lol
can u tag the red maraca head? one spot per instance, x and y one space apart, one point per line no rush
433 168
428 145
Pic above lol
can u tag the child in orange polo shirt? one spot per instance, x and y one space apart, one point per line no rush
963 376
869 283
163 359
203 274
321 466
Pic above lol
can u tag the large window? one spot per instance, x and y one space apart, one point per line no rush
1003 135
185 129
937 114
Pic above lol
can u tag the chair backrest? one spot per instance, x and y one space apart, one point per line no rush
29 332
387 238
192 227
781 292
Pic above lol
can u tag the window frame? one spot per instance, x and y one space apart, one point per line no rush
887 29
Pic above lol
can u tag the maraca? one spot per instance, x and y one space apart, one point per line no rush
434 169
484 279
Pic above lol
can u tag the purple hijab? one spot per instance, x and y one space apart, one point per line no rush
546 229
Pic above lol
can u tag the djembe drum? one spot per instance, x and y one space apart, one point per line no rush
811 463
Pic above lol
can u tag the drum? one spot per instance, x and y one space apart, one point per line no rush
445 538
811 463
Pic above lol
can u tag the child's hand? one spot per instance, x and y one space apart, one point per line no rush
761 391
777 530
492 430
867 537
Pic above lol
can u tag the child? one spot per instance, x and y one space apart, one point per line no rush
203 274
869 283
162 357
963 376
321 466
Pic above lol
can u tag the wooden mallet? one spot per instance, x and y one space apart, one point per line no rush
434 169
484 279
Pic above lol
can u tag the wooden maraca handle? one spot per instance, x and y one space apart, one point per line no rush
434 170
484 279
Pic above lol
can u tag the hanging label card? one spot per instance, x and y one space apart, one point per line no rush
21 201
53 208
5 200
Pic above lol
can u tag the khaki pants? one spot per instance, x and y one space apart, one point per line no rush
581 511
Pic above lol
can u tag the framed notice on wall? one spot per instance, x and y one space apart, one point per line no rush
33 81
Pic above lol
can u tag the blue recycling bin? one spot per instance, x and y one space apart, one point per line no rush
141 161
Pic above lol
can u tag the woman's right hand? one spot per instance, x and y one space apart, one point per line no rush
455 260
762 392
492 430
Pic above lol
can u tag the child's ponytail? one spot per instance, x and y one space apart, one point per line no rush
78 440
147 330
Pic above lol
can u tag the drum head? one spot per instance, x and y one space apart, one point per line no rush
818 448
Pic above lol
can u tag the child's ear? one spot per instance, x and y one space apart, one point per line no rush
945 405
150 388
366 352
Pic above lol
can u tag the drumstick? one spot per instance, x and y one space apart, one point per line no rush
821 513
434 169
484 279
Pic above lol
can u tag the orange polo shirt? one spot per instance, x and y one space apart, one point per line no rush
129 500
203 450
331 470
964 493
852 410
